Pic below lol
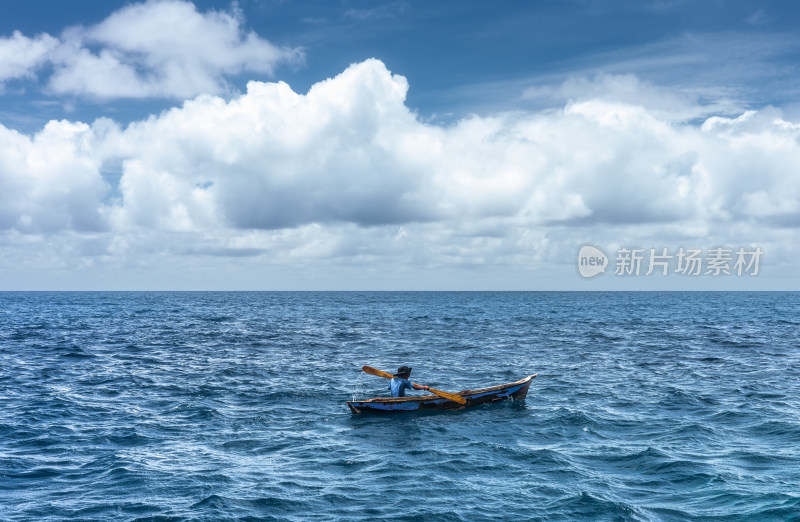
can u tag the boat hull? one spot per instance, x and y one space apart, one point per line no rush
512 390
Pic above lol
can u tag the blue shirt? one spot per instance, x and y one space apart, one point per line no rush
398 386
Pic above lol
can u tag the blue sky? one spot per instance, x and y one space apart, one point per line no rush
465 57
393 145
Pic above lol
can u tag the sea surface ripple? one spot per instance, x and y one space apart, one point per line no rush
214 406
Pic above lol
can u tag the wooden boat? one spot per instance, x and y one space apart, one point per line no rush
512 390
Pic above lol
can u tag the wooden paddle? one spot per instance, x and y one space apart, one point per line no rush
452 396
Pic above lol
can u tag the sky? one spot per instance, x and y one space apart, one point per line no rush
354 145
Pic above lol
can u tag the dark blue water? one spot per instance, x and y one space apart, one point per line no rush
179 406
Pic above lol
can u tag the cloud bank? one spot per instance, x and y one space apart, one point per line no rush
348 173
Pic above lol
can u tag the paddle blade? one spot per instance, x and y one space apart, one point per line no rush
373 371
452 396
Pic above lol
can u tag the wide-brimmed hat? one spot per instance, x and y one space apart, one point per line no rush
403 370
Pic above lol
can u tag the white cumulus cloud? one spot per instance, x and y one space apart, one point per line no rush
159 48
347 174
20 56
50 182
273 158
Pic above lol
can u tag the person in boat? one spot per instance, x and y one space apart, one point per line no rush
400 382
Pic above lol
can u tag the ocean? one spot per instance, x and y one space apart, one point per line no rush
231 406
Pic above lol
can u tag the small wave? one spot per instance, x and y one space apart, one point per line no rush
783 430
755 460
39 473
269 507
730 417
192 412
211 502
245 445
125 439
567 417
76 353
591 505
107 510
218 319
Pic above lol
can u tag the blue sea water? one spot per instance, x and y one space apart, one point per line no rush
214 406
